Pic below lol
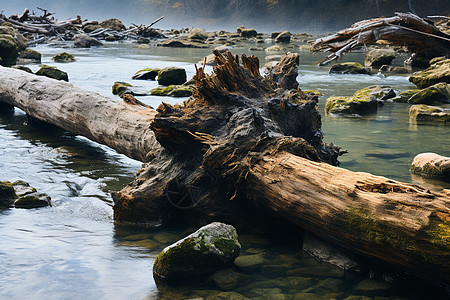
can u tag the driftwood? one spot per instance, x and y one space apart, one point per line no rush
248 150
418 35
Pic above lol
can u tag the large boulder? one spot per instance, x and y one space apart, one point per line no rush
431 165
63 57
439 71
198 35
349 68
379 57
427 113
113 23
283 37
248 33
364 101
7 194
52 72
172 75
440 92
85 41
11 43
212 247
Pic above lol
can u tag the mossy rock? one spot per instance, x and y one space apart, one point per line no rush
19 38
63 57
250 263
91 27
172 91
426 113
119 88
404 96
146 74
350 105
113 23
8 50
440 92
349 68
379 57
7 194
52 72
31 55
328 285
171 75
34 200
23 68
437 72
212 247
431 165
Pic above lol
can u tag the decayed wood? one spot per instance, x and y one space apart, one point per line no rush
373 216
121 126
404 29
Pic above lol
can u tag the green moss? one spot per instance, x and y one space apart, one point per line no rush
440 235
176 256
172 91
52 72
119 88
360 219
438 72
63 57
429 170
8 50
7 193
313 92
161 91
228 247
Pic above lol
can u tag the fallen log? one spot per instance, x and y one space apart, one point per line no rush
119 125
246 150
419 36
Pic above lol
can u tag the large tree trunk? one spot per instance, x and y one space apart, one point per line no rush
119 125
242 145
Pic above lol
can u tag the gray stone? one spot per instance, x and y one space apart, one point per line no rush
248 33
349 68
248 263
85 41
198 34
427 113
283 37
212 247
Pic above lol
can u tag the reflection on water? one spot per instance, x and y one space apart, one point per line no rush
73 249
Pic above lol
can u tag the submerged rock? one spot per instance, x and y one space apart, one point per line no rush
212 247
226 279
373 287
431 165
349 68
52 72
439 71
33 200
379 57
146 74
422 112
7 194
63 57
249 263
171 75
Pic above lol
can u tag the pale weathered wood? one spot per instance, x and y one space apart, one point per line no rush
121 126
369 215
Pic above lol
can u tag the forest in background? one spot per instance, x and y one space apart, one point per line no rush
316 16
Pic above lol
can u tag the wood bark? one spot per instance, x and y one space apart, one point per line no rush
405 29
247 150
119 125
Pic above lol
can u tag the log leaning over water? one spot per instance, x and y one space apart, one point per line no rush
245 144
121 126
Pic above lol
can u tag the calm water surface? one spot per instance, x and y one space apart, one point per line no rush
73 250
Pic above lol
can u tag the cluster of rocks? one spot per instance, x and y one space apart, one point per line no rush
214 254
173 80
20 194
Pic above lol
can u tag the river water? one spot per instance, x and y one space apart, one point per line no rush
73 250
